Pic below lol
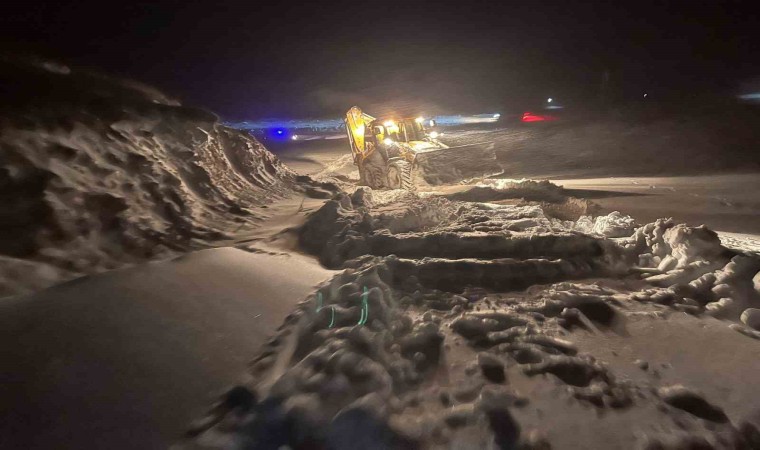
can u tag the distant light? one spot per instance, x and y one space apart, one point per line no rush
294 137
496 116
646 95
419 120
531 117
388 123
433 134
388 141
280 131
549 100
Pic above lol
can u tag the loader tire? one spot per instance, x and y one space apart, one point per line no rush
400 175
374 171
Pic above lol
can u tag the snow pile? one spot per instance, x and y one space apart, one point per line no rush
102 172
453 326
387 197
375 358
342 169
501 189
687 266
466 243
612 225
555 202
676 250
438 228
693 271
348 368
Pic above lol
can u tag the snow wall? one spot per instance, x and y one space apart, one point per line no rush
98 172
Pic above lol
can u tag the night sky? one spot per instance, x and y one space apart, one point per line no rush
286 59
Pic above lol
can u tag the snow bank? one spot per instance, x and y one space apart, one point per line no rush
466 243
500 189
100 172
411 227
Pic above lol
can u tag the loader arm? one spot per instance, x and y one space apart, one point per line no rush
356 126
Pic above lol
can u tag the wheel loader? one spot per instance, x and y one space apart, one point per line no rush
399 154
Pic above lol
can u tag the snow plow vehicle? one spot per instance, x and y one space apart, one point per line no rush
398 154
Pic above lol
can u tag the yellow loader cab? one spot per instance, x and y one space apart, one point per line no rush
390 153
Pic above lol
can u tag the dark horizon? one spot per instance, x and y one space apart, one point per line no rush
248 61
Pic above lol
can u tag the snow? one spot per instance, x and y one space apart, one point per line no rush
499 189
448 312
740 241
512 313
115 174
612 225
127 359
751 318
341 168
625 144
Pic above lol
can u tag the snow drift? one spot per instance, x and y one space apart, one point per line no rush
98 172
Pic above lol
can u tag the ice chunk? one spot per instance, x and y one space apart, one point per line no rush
614 225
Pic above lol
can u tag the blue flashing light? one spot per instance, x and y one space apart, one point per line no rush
278 133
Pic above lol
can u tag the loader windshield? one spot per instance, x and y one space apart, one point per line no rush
412 130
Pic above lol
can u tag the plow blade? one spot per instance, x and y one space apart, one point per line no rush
455 164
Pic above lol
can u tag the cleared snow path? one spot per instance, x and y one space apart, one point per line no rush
128 358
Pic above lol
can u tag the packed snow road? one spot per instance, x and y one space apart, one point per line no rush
128 359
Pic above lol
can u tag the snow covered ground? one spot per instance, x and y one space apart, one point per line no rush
101 173
461 324
515 314
653 186
724 202
127 359
506 313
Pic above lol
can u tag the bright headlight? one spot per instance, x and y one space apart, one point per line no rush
388 141
294 137
433 134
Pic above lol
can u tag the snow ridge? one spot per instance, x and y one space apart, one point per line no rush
110 173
